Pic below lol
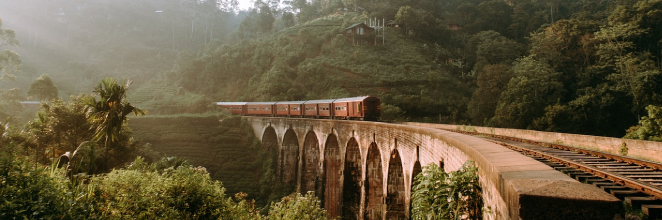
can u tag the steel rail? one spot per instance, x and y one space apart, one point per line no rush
643 187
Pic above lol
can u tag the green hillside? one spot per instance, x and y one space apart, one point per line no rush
563 66
315 60
585 66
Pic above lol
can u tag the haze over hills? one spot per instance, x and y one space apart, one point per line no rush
567 66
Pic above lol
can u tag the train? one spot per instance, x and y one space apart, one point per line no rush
354 108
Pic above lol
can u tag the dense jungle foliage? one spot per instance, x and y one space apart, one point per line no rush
589 67
161 190
99 179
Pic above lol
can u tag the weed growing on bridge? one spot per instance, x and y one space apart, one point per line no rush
441 195
623 150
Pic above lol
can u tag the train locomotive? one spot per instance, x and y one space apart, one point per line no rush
354 108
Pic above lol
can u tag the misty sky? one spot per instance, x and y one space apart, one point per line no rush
245 4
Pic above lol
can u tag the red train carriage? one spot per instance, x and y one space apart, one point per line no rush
234 107
290 109
318 108
361 108
282 110
260 108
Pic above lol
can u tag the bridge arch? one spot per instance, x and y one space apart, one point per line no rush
395 188
332 176
269 138
351 192
374 184
311 180
289 158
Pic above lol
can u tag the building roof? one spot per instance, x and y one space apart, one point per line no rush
30 102
357 24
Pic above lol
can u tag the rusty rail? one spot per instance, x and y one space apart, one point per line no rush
616 178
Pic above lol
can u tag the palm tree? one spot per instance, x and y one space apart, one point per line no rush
109 114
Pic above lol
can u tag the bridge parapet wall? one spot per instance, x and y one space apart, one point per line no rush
514 186
647 150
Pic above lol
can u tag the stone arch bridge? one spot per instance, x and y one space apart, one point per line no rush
364 170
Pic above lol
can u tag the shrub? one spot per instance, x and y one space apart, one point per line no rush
184 192
29 191
296 206
441 195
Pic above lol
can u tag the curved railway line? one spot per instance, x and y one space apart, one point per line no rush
636 182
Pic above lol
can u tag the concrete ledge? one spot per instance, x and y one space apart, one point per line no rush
647 150
531 189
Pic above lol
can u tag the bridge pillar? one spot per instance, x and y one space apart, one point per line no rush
332 176
289 158
395 198
352 182
310 162
374 185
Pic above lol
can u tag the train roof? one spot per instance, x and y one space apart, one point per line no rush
30 102
230 103
260 103
290 102
355 99
319 101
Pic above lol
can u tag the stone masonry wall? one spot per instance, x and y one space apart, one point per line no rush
514 186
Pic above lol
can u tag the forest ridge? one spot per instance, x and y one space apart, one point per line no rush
589 67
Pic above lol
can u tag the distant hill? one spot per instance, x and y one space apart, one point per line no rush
317 60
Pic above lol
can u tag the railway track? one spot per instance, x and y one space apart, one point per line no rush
636 182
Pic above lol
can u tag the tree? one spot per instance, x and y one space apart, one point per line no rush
494 15
10 105
631 68
409 17
534 87
491 81
43 88
66 121
490 48
288 19
8 58
265 19
109 114
650 127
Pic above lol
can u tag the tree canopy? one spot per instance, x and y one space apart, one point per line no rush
43 88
